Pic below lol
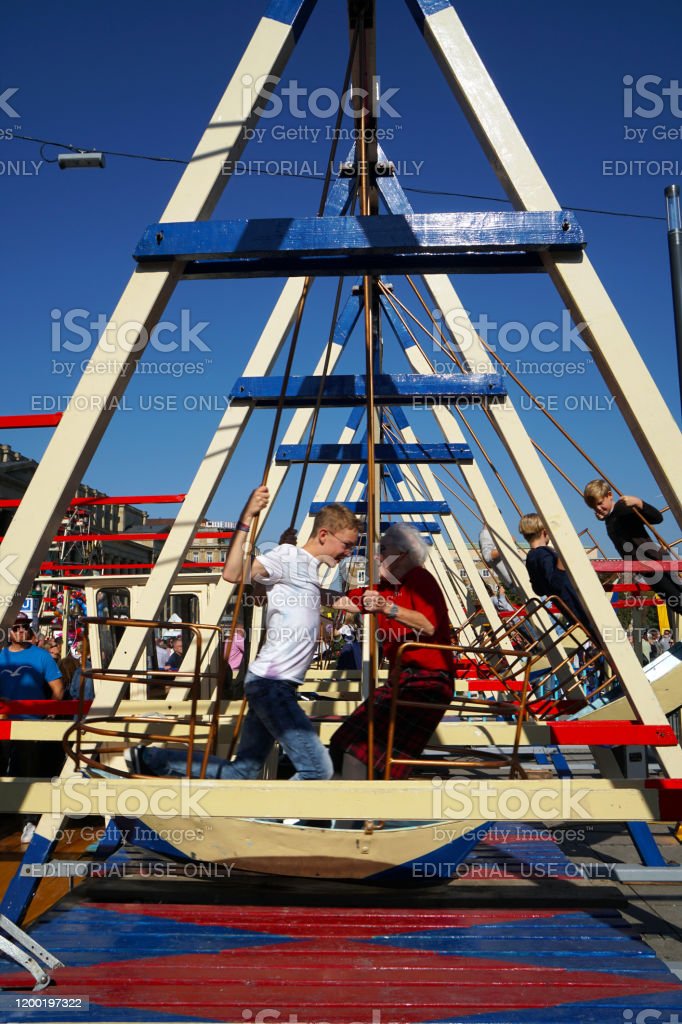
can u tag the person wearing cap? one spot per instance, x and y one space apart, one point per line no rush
27 672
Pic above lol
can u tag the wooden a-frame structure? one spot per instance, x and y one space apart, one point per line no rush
150 286
169 253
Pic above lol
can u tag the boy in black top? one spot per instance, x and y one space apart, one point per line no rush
630 537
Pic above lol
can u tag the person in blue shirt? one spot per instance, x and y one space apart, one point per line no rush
27 672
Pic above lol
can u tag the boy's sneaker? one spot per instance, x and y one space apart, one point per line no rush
28 833
133 760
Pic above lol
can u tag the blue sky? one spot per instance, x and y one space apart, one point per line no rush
145 78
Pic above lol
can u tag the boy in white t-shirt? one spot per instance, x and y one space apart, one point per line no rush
292 622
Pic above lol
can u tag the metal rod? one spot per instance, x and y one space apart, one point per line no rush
367 127
672 198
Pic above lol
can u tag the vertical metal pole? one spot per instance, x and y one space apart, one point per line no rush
361 13
672 198
66 620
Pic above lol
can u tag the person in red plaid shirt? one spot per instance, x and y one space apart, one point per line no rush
407 604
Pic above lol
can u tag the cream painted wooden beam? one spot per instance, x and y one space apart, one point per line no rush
614 352
208 476
326 484
294 434
442 291
456 539
480 734
668 690
476 482
538 484
144 299
585 800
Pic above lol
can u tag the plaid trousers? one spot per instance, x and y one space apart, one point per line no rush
413 726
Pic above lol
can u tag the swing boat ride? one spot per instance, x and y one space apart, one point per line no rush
519 686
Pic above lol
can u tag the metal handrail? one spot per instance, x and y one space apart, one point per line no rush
528 691
520 708
82 724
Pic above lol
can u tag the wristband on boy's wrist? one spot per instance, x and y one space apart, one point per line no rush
244 527
392 612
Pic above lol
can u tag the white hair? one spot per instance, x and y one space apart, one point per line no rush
403 537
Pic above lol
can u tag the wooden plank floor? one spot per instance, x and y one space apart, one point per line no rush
177 963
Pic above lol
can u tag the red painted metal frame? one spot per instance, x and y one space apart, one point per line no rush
620 565
41 707
50 419
669 797
63 537
611 733
119 499
627 588
62 567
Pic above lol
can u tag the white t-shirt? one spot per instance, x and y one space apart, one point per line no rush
292 621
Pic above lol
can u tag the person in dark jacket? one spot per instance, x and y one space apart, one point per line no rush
546 570
626 520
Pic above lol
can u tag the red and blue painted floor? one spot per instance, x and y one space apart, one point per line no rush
429 959
285 965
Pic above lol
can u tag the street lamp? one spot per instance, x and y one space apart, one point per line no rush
66 160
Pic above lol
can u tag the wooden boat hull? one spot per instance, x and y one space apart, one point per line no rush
425 853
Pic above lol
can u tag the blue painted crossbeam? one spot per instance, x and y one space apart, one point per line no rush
422 390
349 245
398 453
392 508
423 527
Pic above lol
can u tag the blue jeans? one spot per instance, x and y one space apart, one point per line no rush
274 715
